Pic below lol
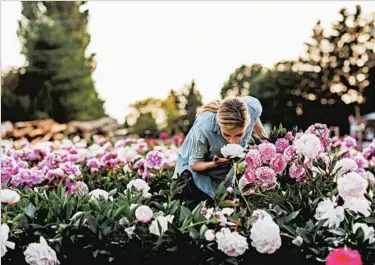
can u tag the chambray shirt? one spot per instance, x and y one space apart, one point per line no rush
204 141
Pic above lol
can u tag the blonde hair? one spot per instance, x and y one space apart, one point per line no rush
231 112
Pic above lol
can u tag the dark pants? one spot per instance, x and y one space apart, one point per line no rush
191 193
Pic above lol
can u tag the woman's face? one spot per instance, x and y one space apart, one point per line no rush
233 136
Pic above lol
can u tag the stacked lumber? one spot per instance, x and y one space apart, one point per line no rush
50 130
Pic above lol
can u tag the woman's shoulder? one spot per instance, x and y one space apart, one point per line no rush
255 106
206 121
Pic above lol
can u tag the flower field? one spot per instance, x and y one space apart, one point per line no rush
298 198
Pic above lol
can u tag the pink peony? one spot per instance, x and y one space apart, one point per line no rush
267 151
296 171
349 142
278 163
143 214
265 173
253 159
281 144
344 256
289 153
289 136
154 159
250 175
93 164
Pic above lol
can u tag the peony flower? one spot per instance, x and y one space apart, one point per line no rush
4 243
79 188
140 185
351 185
209 235
154 159
281 144
9 196
349 142
358 205
344 256
290 153
98 193
143 214
361 161
267 151
266 178
252 159
231 243
326 211
296 171
28 177
265 236
232 151
40 254
289 136
265 174
278 163
308 145
261 214
161 221
345 165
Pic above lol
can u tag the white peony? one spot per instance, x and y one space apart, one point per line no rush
308 145
40 254
143 214
227 211
9 196
358 205
209 235
326 211
345 165
351 185
261 215
369 233
231 243
4 243
265 236
140 185
233 150
98 193
163 222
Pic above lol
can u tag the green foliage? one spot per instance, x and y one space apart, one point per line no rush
56 80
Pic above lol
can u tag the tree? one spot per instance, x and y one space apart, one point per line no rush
336 68
192 100
171 106
239 82
13 107
57 76
275 88
145 126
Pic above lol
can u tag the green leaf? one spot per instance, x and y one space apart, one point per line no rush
203 230
119 210
193 233
30 210
184 213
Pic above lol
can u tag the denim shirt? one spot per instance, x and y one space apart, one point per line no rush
204 141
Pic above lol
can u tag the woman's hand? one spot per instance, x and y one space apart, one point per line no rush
220 161
216 162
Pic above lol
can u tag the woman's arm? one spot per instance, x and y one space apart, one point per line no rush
259 129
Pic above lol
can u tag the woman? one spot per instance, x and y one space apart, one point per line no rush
230 121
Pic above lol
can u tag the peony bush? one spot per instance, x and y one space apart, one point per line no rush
298 198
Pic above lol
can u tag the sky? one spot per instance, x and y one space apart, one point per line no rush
144 49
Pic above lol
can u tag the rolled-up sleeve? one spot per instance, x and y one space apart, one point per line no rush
199 148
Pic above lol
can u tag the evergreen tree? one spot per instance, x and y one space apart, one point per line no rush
57 76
